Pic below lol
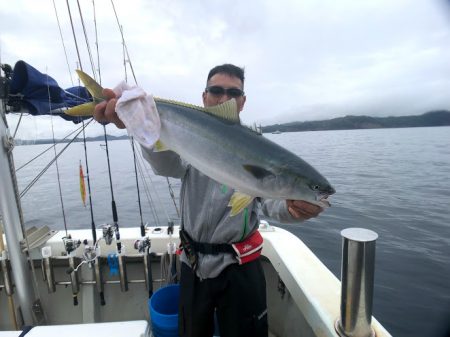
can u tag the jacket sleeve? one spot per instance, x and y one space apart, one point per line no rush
165 163
277 210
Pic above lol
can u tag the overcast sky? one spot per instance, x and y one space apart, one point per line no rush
304 59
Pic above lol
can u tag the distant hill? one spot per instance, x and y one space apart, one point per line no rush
432 118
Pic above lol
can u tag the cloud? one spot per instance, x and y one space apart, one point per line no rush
303 59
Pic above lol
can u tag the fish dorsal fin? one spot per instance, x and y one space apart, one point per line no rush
227 110
171 101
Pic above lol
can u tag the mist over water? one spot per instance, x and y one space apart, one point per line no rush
395 182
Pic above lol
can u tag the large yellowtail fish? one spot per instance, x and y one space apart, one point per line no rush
213 141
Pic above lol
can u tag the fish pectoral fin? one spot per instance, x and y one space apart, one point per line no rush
160 147
258 171
95 89
238 202
86 109
227 110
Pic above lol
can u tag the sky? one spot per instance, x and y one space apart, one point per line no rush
304 59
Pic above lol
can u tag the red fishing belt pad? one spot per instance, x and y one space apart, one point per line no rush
249 249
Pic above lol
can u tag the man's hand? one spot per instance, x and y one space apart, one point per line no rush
105 112
303 210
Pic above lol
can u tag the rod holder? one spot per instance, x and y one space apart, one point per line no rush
99 280
6 268
74 279
47 268
123 273
357 279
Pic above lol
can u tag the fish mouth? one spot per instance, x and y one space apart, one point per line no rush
322 197
323 202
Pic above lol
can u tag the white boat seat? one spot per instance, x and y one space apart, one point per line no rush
110 329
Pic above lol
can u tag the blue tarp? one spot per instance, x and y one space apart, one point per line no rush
32 90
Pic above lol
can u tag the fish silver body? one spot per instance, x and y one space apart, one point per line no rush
239 157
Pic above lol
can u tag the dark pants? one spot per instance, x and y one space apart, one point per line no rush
238 295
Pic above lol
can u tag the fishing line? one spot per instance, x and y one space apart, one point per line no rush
156 192
123 41
148 194
62 41
74 35
147 190
91 60
56 160
96 44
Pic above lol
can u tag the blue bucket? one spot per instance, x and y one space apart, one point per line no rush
164 311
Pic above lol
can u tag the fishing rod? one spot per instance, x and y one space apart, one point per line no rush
94 233
107 231
137 187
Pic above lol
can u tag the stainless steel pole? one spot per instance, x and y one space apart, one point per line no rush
12 226
357 278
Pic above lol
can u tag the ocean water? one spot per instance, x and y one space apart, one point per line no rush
395 182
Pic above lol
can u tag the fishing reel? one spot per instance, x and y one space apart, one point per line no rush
142 245
70 244
108 233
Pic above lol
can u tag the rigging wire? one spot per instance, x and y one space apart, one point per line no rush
17 126
47 149
40 174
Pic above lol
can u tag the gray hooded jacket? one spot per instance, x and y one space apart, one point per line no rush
205 212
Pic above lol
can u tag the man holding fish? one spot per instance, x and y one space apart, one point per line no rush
224 190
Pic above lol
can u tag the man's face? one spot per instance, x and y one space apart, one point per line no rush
225 81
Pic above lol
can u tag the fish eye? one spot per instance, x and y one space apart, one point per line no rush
316 187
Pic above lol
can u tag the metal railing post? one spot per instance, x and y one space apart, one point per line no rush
357 279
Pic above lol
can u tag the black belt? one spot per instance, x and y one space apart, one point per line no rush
203 247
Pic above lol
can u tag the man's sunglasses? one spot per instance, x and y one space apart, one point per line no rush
219 91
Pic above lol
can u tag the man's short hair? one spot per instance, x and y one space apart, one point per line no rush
229 69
